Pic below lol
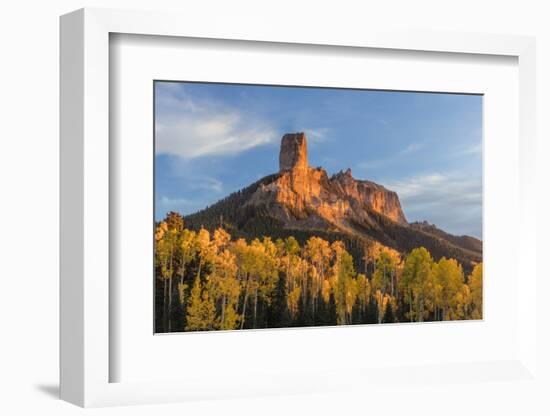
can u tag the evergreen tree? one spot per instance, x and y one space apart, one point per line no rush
208 280
278 315
389 316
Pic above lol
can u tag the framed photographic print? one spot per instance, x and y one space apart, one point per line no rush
256 227
280 213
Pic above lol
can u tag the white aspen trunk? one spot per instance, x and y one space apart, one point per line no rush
199 270
169 304
244 303
170 286
255 306
289 278
164 314
410 306
182 271
391 283
223 311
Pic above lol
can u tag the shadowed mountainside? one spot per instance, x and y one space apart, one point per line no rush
304 201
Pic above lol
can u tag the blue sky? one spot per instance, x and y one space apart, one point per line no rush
213 139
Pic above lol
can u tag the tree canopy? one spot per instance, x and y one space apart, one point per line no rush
210 281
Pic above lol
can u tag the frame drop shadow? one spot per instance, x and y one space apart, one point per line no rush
51 390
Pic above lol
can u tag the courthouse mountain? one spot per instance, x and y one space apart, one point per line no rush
304 201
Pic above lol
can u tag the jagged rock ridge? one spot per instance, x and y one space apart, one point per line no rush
303 197
302 201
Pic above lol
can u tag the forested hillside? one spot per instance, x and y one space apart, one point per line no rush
300 248
224 278
248 221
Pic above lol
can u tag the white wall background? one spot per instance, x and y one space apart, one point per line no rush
29 207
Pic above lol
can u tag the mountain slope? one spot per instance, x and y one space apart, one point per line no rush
303 201
464 241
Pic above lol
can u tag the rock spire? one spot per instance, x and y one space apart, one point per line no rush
293 154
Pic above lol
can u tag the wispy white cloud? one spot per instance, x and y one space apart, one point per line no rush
452 201
190 128
206 183
393 158
165 204
315 135
167 201
473 149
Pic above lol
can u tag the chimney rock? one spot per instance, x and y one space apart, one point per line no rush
293 154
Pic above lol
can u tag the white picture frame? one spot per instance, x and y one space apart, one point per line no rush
86 355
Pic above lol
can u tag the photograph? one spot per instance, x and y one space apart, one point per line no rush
294 206
280 207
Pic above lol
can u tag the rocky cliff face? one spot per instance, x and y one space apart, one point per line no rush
303 201
293 154
305 197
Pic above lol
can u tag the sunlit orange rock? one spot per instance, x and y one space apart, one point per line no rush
302 196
